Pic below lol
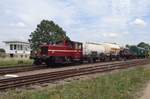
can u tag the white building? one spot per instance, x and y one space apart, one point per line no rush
17 49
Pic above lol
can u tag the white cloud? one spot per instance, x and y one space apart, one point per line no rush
139 23
18 24
111 34
7 11
21 24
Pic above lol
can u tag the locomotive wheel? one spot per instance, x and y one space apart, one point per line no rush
90 60
69 60
94 60
103 60
50 62
117 58
81 61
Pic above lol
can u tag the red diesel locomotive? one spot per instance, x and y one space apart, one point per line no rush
61 52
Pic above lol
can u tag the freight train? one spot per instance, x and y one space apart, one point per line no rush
77 52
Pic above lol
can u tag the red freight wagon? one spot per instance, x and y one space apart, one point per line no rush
61 52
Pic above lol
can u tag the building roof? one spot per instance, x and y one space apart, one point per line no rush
16 42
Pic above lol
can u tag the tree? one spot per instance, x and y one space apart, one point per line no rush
2 50
46 32
144 45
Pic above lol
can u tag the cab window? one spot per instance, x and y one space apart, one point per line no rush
78 46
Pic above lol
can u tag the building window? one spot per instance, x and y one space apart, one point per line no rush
18 47
26 48
21 47
15 47
11 47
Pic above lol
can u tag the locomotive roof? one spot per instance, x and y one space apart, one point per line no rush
141 48
93 43
76 41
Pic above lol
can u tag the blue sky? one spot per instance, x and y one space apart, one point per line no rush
121 21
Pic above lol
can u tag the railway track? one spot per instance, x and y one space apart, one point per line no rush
10 83
7 70
25 68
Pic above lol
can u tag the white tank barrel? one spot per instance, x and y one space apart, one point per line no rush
88 48
111 48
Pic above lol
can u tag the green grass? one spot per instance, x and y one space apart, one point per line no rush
4 62
120 85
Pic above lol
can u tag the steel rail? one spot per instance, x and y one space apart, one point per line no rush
7 70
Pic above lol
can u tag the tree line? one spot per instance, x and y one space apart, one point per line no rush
142 45
49 32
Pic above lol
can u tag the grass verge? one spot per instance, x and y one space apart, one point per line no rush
120 85
5 62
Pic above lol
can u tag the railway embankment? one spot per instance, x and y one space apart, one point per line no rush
14 62
123 84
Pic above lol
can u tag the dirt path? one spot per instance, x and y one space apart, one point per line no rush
146 93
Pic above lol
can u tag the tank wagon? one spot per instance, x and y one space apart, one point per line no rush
134 52
93 51
112 50
102 52
77 52
125 54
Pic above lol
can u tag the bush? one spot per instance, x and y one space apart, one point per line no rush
2 53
